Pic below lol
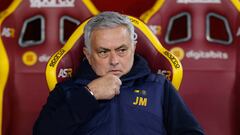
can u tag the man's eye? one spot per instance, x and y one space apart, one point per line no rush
102 53
122 51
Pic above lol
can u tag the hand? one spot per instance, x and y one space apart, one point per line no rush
105 87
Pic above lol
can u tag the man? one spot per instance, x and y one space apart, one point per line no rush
115 92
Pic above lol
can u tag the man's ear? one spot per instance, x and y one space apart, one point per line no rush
87 54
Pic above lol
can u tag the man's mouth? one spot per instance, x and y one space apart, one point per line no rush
116 72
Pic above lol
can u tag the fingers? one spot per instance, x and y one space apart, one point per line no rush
117 91
116 80
118 84
105 87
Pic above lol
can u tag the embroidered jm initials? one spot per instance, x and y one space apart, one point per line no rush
140 101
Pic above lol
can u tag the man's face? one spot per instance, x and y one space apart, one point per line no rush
111 51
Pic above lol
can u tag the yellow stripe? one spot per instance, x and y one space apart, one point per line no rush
91 7
51 75
236 3
177 72
51 71
149 13
4 63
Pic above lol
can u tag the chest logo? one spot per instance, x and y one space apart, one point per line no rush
140 101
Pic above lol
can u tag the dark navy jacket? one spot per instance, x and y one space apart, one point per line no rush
148 104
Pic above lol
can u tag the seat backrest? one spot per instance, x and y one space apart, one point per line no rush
203 34
65 62
31 31
237 97
124 6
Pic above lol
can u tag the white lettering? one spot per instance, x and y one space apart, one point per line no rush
166 73
7 32
44 58
207 55
51 3
199 1
64 73
238 32
156 29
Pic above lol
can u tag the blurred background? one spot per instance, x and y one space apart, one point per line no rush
203 34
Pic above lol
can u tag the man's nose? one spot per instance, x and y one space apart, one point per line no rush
114 59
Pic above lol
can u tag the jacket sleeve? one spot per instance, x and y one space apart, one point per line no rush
178 118
67 108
